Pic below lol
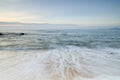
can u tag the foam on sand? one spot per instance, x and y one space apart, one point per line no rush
69 63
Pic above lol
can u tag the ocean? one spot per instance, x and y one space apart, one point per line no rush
67 54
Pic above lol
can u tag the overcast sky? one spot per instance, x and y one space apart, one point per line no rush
79 12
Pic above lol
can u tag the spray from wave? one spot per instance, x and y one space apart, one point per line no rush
70 63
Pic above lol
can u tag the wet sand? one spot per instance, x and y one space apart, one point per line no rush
56 65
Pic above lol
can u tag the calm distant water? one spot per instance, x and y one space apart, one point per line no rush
60 54
52 39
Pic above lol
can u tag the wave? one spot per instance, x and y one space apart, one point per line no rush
69 63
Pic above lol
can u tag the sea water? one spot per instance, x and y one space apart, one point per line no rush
70 54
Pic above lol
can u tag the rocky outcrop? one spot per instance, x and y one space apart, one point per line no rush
1 34
21 33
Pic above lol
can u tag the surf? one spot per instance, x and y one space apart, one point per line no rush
69 63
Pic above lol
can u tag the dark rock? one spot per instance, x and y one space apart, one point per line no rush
1 34
22 34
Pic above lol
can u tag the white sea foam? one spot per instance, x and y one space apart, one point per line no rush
69 63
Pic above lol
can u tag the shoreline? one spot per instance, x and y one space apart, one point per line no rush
54 64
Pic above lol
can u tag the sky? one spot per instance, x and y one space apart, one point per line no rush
74 12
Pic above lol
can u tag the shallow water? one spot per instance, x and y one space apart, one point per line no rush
60 55
52 39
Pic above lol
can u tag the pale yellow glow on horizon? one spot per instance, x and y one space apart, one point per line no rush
16 16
